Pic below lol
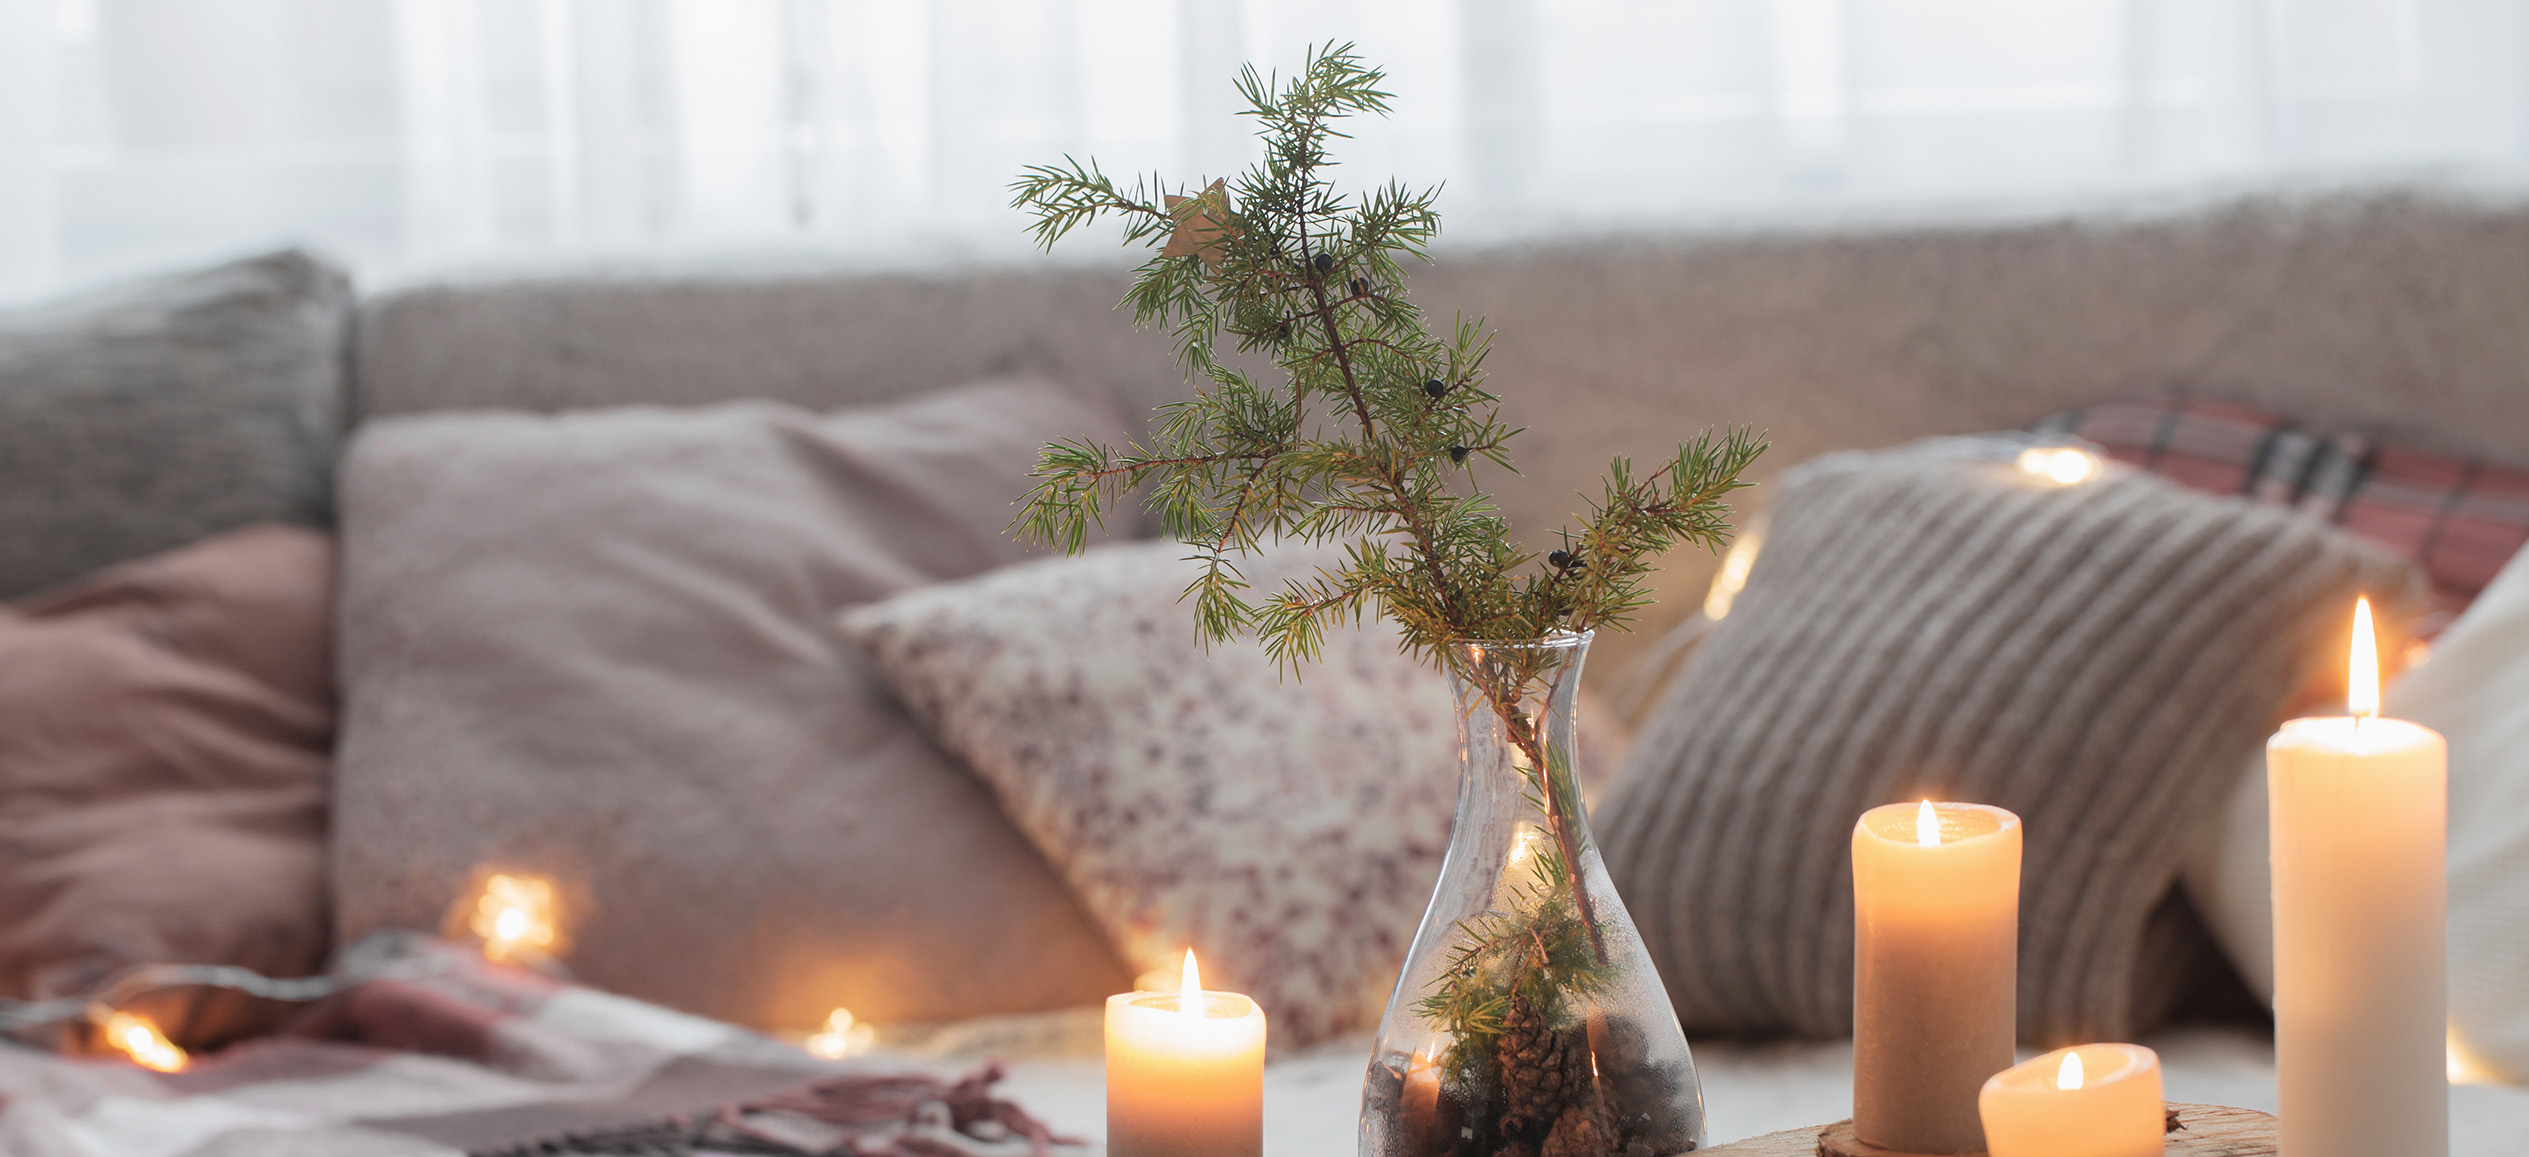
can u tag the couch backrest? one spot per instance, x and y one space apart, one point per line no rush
2404 317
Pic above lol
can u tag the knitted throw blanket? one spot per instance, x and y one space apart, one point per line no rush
2101 659
457 1057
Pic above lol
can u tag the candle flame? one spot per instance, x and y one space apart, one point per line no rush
514 916
142 1041
2362 695
1927 826
2069 1076
1190 989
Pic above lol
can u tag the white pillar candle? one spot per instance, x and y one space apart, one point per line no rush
2086 1101
2358 818
1936 919
1184 1073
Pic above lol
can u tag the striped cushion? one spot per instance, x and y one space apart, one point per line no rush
2101 659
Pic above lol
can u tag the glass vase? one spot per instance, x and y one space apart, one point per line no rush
1528 1020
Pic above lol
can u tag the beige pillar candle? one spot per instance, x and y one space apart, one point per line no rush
2358 816
1936 922
1184 1073
2085 1101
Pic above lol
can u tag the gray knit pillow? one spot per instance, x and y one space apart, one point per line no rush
144 417
2101 659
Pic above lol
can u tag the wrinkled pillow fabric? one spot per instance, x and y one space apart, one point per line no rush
1288 830
2475 691
1933 622
594 646
165 738
145 417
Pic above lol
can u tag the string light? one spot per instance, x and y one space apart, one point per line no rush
2061 465
842 1036
514 917
139 1040
1732 577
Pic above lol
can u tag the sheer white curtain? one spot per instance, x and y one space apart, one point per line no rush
406 134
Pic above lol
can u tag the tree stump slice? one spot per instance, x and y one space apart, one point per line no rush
2203 1131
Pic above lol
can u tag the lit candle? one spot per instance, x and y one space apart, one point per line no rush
2089 1101
1184 1073
2357 815
1936 920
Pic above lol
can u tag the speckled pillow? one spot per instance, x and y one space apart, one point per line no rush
1288 830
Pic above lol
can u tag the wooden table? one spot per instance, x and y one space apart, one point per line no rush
2207 1131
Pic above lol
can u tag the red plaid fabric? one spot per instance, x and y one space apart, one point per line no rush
2461 519
2204 445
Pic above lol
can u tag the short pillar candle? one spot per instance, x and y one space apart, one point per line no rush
1936 921
1184 1073
2085 1101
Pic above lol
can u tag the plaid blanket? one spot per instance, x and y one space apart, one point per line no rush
2461 519
460 1056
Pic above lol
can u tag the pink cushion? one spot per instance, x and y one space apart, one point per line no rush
164 735
594 646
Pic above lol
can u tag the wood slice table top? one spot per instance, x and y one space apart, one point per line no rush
2204 1131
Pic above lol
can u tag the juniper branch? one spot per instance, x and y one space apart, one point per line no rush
1371 438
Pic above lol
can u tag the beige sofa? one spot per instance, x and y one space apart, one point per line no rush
2399 317
2402 317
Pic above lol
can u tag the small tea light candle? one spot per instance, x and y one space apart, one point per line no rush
1936 919
2086 1101
1184 1072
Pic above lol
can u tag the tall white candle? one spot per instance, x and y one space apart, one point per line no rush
2358 818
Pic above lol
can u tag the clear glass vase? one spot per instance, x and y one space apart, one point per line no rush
1528 1020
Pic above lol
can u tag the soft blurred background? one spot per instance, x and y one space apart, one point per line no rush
407 135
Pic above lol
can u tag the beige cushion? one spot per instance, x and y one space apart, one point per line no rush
2475 691
595 646
1288 830
1931 621
165 729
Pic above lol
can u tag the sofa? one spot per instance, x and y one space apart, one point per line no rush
2394 315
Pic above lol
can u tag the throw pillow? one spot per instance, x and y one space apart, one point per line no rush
147 417
2460 518
2475 691
1933 622
593 646
1287 829
165 730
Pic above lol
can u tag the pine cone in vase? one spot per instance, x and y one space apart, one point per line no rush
1582 1131
1543 1071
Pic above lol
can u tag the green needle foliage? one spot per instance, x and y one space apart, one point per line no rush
1368 437
1372 434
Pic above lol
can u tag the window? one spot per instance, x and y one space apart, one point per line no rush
404 135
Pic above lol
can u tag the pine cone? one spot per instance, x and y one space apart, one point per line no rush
1538 1071
1575 1135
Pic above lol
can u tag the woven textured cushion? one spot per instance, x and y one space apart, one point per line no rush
595 646
146 417
166 729
1932 622
1288 831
